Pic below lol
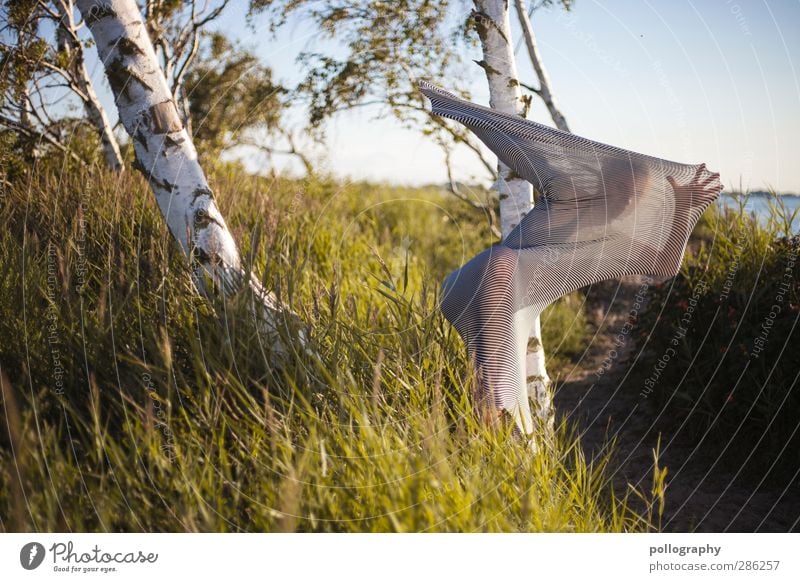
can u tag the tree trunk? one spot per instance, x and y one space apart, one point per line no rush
516 194
68 42
166 155
492 21
544 80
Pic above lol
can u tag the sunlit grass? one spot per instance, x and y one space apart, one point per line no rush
133 405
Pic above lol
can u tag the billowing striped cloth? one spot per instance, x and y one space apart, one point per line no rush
604 212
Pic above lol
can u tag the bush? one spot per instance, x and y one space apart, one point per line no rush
721 358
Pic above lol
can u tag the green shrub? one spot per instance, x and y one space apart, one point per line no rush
721 358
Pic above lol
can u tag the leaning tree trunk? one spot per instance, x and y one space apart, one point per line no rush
544 90
516 194
68 43
166 155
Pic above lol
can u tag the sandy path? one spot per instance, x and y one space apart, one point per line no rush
609 405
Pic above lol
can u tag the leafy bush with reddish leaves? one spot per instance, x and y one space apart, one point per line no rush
719 344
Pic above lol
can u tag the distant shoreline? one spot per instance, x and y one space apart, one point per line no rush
761 194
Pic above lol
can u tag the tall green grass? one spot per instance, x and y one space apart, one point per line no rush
131 404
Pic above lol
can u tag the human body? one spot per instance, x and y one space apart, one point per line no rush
604 212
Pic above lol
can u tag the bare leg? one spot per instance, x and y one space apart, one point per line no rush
479 300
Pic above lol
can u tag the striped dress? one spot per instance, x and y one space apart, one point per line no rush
604 212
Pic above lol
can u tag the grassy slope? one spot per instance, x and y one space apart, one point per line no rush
168 417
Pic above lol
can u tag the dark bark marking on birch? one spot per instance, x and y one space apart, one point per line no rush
202 220
140 136
487 67
161 184
482 23
119 76
174 142
129 48
202 191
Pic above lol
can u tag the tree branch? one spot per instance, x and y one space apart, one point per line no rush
544 91
32 133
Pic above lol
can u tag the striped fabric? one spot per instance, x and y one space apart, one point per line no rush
604 212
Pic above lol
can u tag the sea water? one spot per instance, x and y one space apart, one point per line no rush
759 206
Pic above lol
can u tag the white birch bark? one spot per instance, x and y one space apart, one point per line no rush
544 90
515 194
492 21
167 156
82 84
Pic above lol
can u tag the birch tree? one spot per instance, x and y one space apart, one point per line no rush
492 22
43 63
167 157
70 46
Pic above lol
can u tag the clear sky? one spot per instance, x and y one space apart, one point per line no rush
688 80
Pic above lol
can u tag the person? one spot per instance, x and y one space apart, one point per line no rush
604 212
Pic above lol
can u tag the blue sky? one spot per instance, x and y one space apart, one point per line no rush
712 80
